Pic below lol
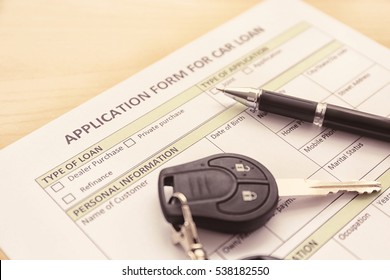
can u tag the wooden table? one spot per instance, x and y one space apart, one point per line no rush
55 55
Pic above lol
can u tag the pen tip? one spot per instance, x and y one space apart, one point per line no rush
220 89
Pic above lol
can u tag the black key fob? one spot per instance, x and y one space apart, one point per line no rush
226 192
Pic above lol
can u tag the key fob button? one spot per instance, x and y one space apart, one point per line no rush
204 184
241 168
248 198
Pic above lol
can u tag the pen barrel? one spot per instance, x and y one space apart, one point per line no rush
357 122
336 117
287 106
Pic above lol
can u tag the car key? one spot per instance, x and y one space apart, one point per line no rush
233 193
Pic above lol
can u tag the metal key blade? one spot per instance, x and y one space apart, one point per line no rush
300 187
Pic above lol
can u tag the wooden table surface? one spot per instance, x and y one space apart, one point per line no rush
55 54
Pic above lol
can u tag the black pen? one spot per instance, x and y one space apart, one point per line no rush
320 113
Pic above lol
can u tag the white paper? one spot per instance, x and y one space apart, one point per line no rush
85 185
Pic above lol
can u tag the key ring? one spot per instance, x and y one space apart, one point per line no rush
187 234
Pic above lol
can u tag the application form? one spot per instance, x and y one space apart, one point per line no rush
85 185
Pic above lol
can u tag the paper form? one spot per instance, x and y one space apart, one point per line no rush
85 186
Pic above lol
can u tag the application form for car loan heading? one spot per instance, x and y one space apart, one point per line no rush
85 186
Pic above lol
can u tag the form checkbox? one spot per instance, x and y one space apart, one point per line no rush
247 70
214 91
57 187
68 198
129 142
